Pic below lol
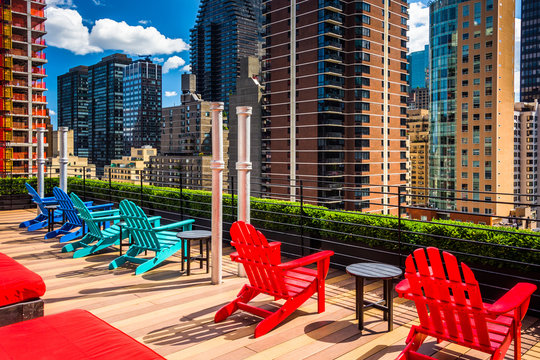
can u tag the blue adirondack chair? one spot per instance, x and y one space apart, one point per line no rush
144 237
41 220
73 222
97 239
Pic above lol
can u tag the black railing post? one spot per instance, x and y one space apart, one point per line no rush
84 183
233 212
399 227
110 184
302 216
141 192
181 195
11 189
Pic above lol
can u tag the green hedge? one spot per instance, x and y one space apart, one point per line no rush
318 221
15 186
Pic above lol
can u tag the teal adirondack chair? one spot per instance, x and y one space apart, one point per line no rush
96 239
146 237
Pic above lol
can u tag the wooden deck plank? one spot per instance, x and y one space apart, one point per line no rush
173 314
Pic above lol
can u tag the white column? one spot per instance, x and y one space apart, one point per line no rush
243 166
41 161
62 144
217 165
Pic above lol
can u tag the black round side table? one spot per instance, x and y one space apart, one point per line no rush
187 237
374 271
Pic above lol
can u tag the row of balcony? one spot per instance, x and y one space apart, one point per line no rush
35 98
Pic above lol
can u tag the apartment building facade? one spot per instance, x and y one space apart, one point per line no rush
142 105
418 138
334 110
471 110
72 107
23 106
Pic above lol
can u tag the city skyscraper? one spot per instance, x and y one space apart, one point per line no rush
526 152
105 91
72 107
224 32
23 108
334 111
472 101
419 68
530 50
142 105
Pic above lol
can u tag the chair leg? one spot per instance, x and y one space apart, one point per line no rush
84 242
244 296
517 341
121 260
71 236
38 225
320 296
159 258
414 341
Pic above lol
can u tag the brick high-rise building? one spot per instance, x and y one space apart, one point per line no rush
72 98
23 108
105 91
472 102
418 137
335 105
142 105
530 50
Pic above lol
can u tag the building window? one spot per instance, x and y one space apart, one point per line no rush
477 13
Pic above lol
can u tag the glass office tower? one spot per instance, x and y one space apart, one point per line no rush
105 90
530 50
225 32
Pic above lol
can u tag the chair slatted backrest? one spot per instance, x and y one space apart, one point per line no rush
446 304
66 206
256 256
84 214
141 231
36 198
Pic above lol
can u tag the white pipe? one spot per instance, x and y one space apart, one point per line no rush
63 160
41 161
243 166
217 165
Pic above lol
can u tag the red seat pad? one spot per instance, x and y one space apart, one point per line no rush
17 283
74 334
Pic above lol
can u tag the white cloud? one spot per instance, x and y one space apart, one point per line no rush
187 68
98 3
174 62
158 60
61 3
170 93
112 35
418 26
52 112
65 30
144 22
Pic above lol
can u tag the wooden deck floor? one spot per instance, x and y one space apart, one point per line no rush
173 313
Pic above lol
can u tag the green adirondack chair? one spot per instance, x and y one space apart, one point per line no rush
144 237
96 239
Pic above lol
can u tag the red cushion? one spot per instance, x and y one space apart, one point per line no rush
75 334
17 283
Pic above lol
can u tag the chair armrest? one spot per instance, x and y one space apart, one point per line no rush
88 203
310 259
105 213
104 207
106 218
403 287
155 220
175 225
515 297
47 199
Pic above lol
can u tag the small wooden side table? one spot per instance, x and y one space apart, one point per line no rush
374 271
203 236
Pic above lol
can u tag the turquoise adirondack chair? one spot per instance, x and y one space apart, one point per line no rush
41 220
145 237
96 239
73 222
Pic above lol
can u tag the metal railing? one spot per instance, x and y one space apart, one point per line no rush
500 255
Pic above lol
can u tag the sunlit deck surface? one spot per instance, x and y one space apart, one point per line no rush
173 313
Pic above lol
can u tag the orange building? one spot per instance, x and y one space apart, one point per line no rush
23 107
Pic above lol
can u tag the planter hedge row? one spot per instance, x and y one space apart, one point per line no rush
354 227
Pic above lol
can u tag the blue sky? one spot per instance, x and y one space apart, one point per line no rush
81 32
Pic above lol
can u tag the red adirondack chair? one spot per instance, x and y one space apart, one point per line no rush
267 275
452 309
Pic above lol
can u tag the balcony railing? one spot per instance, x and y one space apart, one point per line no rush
501 252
